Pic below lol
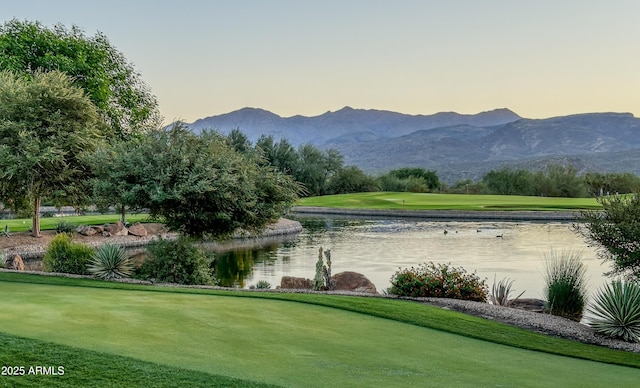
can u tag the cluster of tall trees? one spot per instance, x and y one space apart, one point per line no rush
78 126
558 181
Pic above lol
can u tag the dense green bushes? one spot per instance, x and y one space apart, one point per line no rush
176 261
65 256
438 281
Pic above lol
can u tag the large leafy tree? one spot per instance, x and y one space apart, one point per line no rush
46 125
615 232
201 186
123 100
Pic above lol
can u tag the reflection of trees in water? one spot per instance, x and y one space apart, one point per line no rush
233 268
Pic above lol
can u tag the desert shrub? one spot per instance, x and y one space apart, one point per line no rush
439 281
63 255
262 285
616 309
65 227
501 292
565 284
322 279
110 261
177 261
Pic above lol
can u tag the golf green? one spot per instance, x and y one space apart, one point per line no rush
281 342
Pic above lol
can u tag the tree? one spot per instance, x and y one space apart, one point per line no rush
508 181
200 186
123 100
46 125
316 167
615 231
430 178
351 179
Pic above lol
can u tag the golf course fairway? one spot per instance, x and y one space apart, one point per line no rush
281 342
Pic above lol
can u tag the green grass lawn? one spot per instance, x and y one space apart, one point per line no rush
284 339
48 223
428 201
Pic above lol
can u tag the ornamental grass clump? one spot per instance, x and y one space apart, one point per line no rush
501 292
109 262
439 281
565 284
616 308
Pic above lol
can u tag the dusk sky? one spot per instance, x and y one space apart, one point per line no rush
202 58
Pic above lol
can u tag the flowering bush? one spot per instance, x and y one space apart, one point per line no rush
439 281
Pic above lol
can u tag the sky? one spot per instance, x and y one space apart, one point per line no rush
208 57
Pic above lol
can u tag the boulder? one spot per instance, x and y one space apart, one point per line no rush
530 304
138 229
116 229
98 228
86 230
15 263
294 283
353 281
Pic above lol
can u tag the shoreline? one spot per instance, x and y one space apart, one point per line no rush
494 215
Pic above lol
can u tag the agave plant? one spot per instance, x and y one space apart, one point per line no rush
501 291
110 261
566 284
617 311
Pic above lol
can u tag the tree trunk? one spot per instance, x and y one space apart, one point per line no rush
35 230
123 214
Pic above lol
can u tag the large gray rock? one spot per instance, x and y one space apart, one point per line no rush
116 229
529 304
353 281
86 230
294 283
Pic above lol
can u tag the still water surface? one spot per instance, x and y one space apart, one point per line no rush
378 248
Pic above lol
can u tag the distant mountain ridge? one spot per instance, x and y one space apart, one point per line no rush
457 146
344 125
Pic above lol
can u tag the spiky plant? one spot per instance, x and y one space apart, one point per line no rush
110 261
566 284
501 291
616 308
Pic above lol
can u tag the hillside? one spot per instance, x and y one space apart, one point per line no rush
457 146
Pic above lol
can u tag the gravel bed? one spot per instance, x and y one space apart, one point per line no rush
537 322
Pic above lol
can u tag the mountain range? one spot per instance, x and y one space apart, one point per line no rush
457 146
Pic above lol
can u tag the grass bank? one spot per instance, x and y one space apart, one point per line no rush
463 202
293 339
50 223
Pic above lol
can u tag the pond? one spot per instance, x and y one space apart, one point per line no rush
379 247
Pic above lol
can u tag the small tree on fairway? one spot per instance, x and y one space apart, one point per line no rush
46 124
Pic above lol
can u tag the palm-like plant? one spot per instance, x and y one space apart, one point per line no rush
110 261
501 291
566 284
617 311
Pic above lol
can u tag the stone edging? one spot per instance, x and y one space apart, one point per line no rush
504 215
283 227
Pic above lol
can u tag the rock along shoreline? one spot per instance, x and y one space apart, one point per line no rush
494 215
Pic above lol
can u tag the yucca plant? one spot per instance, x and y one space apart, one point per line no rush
501 291
110 261
566 284
616 308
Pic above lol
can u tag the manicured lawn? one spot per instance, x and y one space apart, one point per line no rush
422 201
48 223
273 338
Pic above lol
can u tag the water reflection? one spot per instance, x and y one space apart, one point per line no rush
378 248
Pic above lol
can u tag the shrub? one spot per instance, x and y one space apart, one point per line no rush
63 255
439 281
565 287
322 279
3 259
262 285
501 291
65 227
617 311
110 261
177 261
